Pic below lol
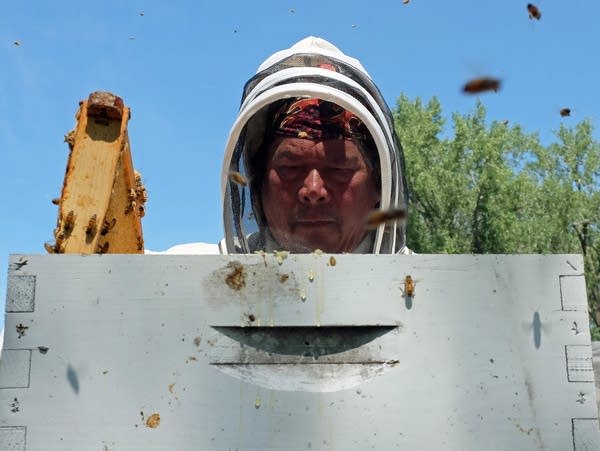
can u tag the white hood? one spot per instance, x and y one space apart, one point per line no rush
295 72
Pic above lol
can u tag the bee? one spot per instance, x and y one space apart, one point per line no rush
534 11
565 112
70 138
292 10
58 246
377 217
142 13
17 43
69 222
103 248
56 201
409 286
238 178
482 84
140 189
405 2
354 25
49 248
107 226
132 203
140 243
92 226
505 122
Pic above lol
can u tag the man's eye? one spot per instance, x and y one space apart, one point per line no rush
342 172
288 171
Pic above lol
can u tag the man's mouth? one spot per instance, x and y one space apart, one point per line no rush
314 222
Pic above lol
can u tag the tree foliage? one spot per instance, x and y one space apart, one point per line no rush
492 188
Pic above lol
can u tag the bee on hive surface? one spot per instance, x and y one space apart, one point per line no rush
92 225
69 222
409 286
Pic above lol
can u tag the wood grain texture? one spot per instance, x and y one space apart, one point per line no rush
98 209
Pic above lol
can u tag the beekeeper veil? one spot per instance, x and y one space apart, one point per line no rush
312 68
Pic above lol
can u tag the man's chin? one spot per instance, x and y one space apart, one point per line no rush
308 239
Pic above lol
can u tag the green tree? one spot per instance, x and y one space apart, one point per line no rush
495 189
568 175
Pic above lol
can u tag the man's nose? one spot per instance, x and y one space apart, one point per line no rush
313 189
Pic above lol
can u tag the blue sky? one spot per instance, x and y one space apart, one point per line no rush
181 66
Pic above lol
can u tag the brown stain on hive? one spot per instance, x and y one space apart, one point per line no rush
236 279
153 421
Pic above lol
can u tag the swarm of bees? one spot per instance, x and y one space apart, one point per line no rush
484 84
141 194
137 196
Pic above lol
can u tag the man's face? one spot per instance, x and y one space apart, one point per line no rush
316 194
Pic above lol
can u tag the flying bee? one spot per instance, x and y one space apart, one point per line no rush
69 222
377 217
481 84
565 112
534 11
17 43
56 201
405 2
238 178
49 248
92 225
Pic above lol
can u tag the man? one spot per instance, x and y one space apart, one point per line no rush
312 152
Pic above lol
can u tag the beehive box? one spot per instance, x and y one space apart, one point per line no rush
291 352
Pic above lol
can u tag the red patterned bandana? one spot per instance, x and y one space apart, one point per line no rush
318 119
